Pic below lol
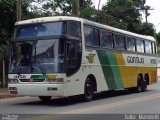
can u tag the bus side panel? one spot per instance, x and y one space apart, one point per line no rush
136 64
128 73
90 66
110 69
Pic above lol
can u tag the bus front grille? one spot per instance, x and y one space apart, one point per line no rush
24 80
38 80
32 80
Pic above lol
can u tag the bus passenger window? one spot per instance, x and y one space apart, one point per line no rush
119 42
130 44
140 46
96 38
106 39
148 47
88 34
74 28
91 36
153 48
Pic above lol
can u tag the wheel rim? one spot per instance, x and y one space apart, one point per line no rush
89 91
140 86
144 85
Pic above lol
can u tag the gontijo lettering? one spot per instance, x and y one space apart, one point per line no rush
139 60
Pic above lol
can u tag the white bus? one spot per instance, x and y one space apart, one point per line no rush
65 56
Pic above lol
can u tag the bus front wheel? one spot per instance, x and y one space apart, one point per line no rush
45 98
88 90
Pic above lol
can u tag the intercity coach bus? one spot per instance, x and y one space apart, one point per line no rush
65 56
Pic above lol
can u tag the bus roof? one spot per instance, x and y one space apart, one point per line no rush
87 22
47 19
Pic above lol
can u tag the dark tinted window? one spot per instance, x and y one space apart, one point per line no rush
106 39
96 38
119 42
91 36
41 29
74 54
130 43
148 47
73 28
140 46
153 48
88 34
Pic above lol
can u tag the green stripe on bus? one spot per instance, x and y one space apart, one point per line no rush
110 69
39 76
115 70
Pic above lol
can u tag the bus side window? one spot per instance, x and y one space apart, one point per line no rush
148 47
74 28
96 41
153 48
91 36
88 35
106 39
130 44
74 55
119 42
140 46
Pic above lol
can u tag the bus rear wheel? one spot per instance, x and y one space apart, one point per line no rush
45 98
88 90
141 84
144 88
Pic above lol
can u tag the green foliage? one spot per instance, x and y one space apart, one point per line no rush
65 7
8 18
147 29
7 15
124 13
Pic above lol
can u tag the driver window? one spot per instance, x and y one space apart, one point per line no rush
73 57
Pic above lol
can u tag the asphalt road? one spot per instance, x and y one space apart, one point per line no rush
119 102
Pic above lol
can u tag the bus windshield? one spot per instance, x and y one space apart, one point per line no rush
41 56
40 29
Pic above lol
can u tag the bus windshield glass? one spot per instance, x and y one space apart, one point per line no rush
41 56
40 29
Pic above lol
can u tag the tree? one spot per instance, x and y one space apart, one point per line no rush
7 21
147 29
64 7
7 14
124 13
8 18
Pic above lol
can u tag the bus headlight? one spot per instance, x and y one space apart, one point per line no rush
12 81
51 80
57 80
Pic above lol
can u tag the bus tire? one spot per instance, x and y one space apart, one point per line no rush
144 88
139 87
145 82
88 90
45 98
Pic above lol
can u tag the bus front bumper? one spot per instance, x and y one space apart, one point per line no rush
55 90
